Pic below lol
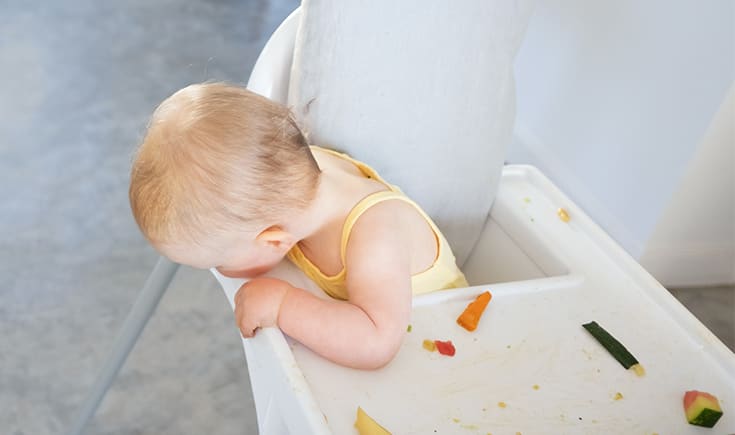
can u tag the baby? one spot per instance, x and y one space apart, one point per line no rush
225 179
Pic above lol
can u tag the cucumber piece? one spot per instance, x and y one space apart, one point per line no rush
702 409
616 349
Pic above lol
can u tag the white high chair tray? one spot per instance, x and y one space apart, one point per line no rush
530 351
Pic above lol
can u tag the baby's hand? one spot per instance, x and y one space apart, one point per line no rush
257 304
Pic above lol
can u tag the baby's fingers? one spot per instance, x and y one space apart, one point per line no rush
248 331
240 320
247 328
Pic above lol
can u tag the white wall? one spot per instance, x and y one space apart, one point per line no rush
693 242
615 96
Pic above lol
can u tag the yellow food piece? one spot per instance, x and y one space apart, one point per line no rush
367 426
502 404
638 369
536 387
563 215
429 345
618 396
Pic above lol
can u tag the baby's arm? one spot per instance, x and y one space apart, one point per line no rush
364 332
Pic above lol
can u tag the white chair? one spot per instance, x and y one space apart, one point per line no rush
547 275
557 274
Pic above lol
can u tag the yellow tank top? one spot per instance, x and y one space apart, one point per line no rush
442 274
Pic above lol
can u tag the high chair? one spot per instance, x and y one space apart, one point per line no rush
530 367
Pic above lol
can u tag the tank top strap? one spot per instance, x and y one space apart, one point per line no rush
360 208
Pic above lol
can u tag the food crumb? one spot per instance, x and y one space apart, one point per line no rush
536 387
638 370
456 420
409 328
502 404
469 426
507 347
618 396
429 345
518 433
563 215
526 200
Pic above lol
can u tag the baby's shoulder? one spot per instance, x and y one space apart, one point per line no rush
395 222
393 235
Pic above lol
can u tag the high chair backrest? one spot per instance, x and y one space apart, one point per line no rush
272 71
422 91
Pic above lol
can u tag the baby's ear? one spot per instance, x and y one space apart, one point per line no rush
276 237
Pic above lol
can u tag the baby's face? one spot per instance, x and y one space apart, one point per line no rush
246 257
249 260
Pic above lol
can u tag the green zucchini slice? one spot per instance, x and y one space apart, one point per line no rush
612 345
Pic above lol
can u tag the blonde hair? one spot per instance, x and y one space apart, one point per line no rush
217 159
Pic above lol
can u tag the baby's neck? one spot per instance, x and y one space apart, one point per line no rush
323 210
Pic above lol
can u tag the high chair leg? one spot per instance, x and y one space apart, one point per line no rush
143 308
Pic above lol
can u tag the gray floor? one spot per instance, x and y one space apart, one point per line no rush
713 306
77 81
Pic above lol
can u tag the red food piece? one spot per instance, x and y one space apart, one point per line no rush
690 396
445 347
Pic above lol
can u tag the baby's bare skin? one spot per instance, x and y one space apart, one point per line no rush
225 179
388 244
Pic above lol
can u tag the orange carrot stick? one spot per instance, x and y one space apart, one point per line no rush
471 315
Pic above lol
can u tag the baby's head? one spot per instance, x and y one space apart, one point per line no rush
219 173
